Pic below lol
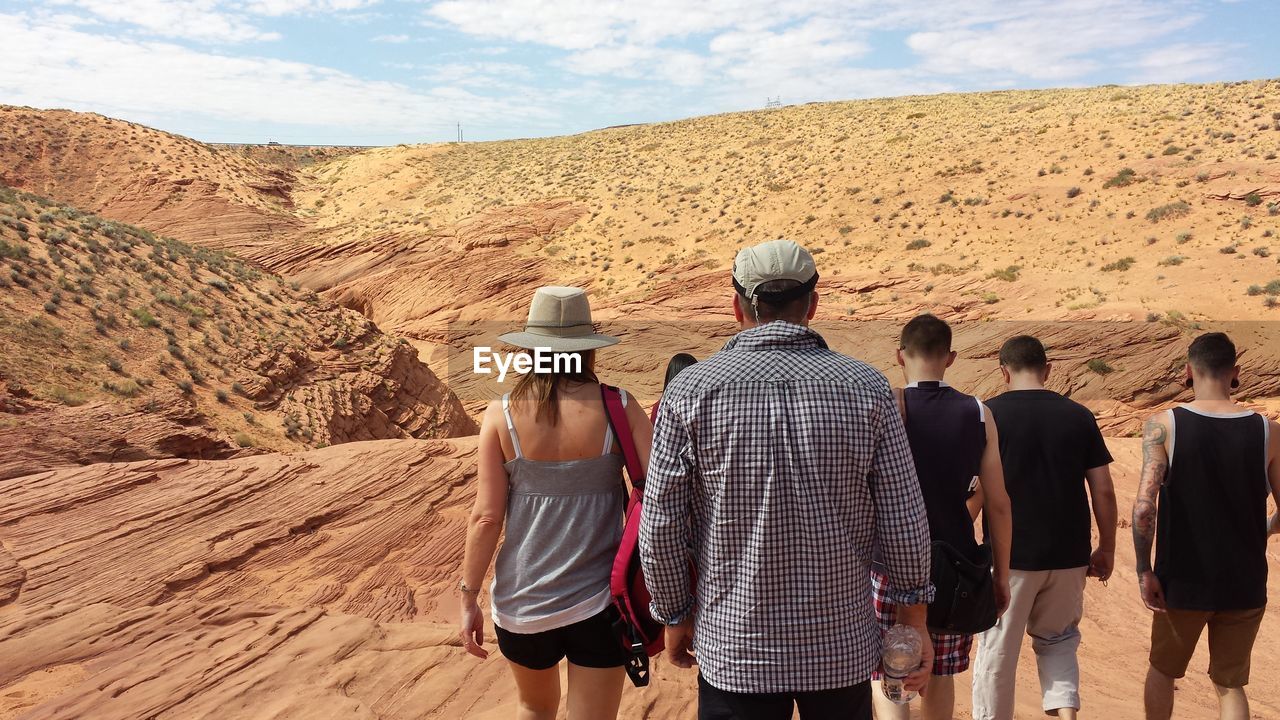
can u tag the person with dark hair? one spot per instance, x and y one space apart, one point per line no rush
675 366
1206 515
1051 449
779 464
542 473
678 362
955 448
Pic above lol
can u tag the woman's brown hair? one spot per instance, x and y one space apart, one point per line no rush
543 388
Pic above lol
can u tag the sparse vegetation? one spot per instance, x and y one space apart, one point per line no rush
1099 366
1168 212
67 397
127 387
1124 178
145 318
1120 265
1008 274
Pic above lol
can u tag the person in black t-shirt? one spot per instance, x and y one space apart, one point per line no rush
1051 448
1207 516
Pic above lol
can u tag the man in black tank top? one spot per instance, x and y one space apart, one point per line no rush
955 447
1207 468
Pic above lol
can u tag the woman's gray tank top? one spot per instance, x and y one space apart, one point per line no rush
563 527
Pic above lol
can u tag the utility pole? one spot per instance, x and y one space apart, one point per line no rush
459 132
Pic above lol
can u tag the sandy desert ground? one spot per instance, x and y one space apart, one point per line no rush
279 340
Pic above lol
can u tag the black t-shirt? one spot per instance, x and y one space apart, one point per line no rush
1046 444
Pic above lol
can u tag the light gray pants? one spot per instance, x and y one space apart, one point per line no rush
1047 605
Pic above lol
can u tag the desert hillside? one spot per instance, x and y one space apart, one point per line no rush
1034 200
192 336
121 345
131 173
1154 205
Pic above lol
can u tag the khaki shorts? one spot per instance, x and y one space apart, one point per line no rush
1175 633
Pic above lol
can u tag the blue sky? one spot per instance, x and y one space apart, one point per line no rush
378 72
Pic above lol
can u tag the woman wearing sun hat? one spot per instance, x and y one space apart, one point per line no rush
551 471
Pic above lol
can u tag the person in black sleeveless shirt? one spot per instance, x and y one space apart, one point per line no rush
955 447
1207 468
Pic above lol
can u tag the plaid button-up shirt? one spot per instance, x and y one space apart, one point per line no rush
778 464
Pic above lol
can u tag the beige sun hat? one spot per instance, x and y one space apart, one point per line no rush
559 319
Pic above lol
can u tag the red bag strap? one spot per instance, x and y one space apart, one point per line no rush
616 413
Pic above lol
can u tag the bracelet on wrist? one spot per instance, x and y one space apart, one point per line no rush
466 589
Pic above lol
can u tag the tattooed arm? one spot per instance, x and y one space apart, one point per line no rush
1155 463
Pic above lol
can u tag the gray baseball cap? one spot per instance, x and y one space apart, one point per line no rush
774 260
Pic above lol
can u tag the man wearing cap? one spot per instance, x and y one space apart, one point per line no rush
778 464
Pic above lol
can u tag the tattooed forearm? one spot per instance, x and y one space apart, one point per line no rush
1144 533
1155 462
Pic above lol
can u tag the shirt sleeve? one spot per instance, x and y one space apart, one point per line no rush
902 528
666 520
1096 452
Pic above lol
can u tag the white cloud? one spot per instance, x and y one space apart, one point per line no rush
277 8
681 68
584 24
215 21
1184 62
735 56
391 39
55 66
816 44
476 75
1056 42
202 20
811 48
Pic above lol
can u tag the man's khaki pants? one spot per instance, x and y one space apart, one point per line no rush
1047 605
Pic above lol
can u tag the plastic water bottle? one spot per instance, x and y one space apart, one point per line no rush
901 656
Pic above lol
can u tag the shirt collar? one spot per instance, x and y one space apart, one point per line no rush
928 383
776 335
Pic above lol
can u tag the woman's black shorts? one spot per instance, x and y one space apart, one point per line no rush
590 643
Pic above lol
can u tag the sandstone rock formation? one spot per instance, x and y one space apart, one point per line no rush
320 585
119 345
47 434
